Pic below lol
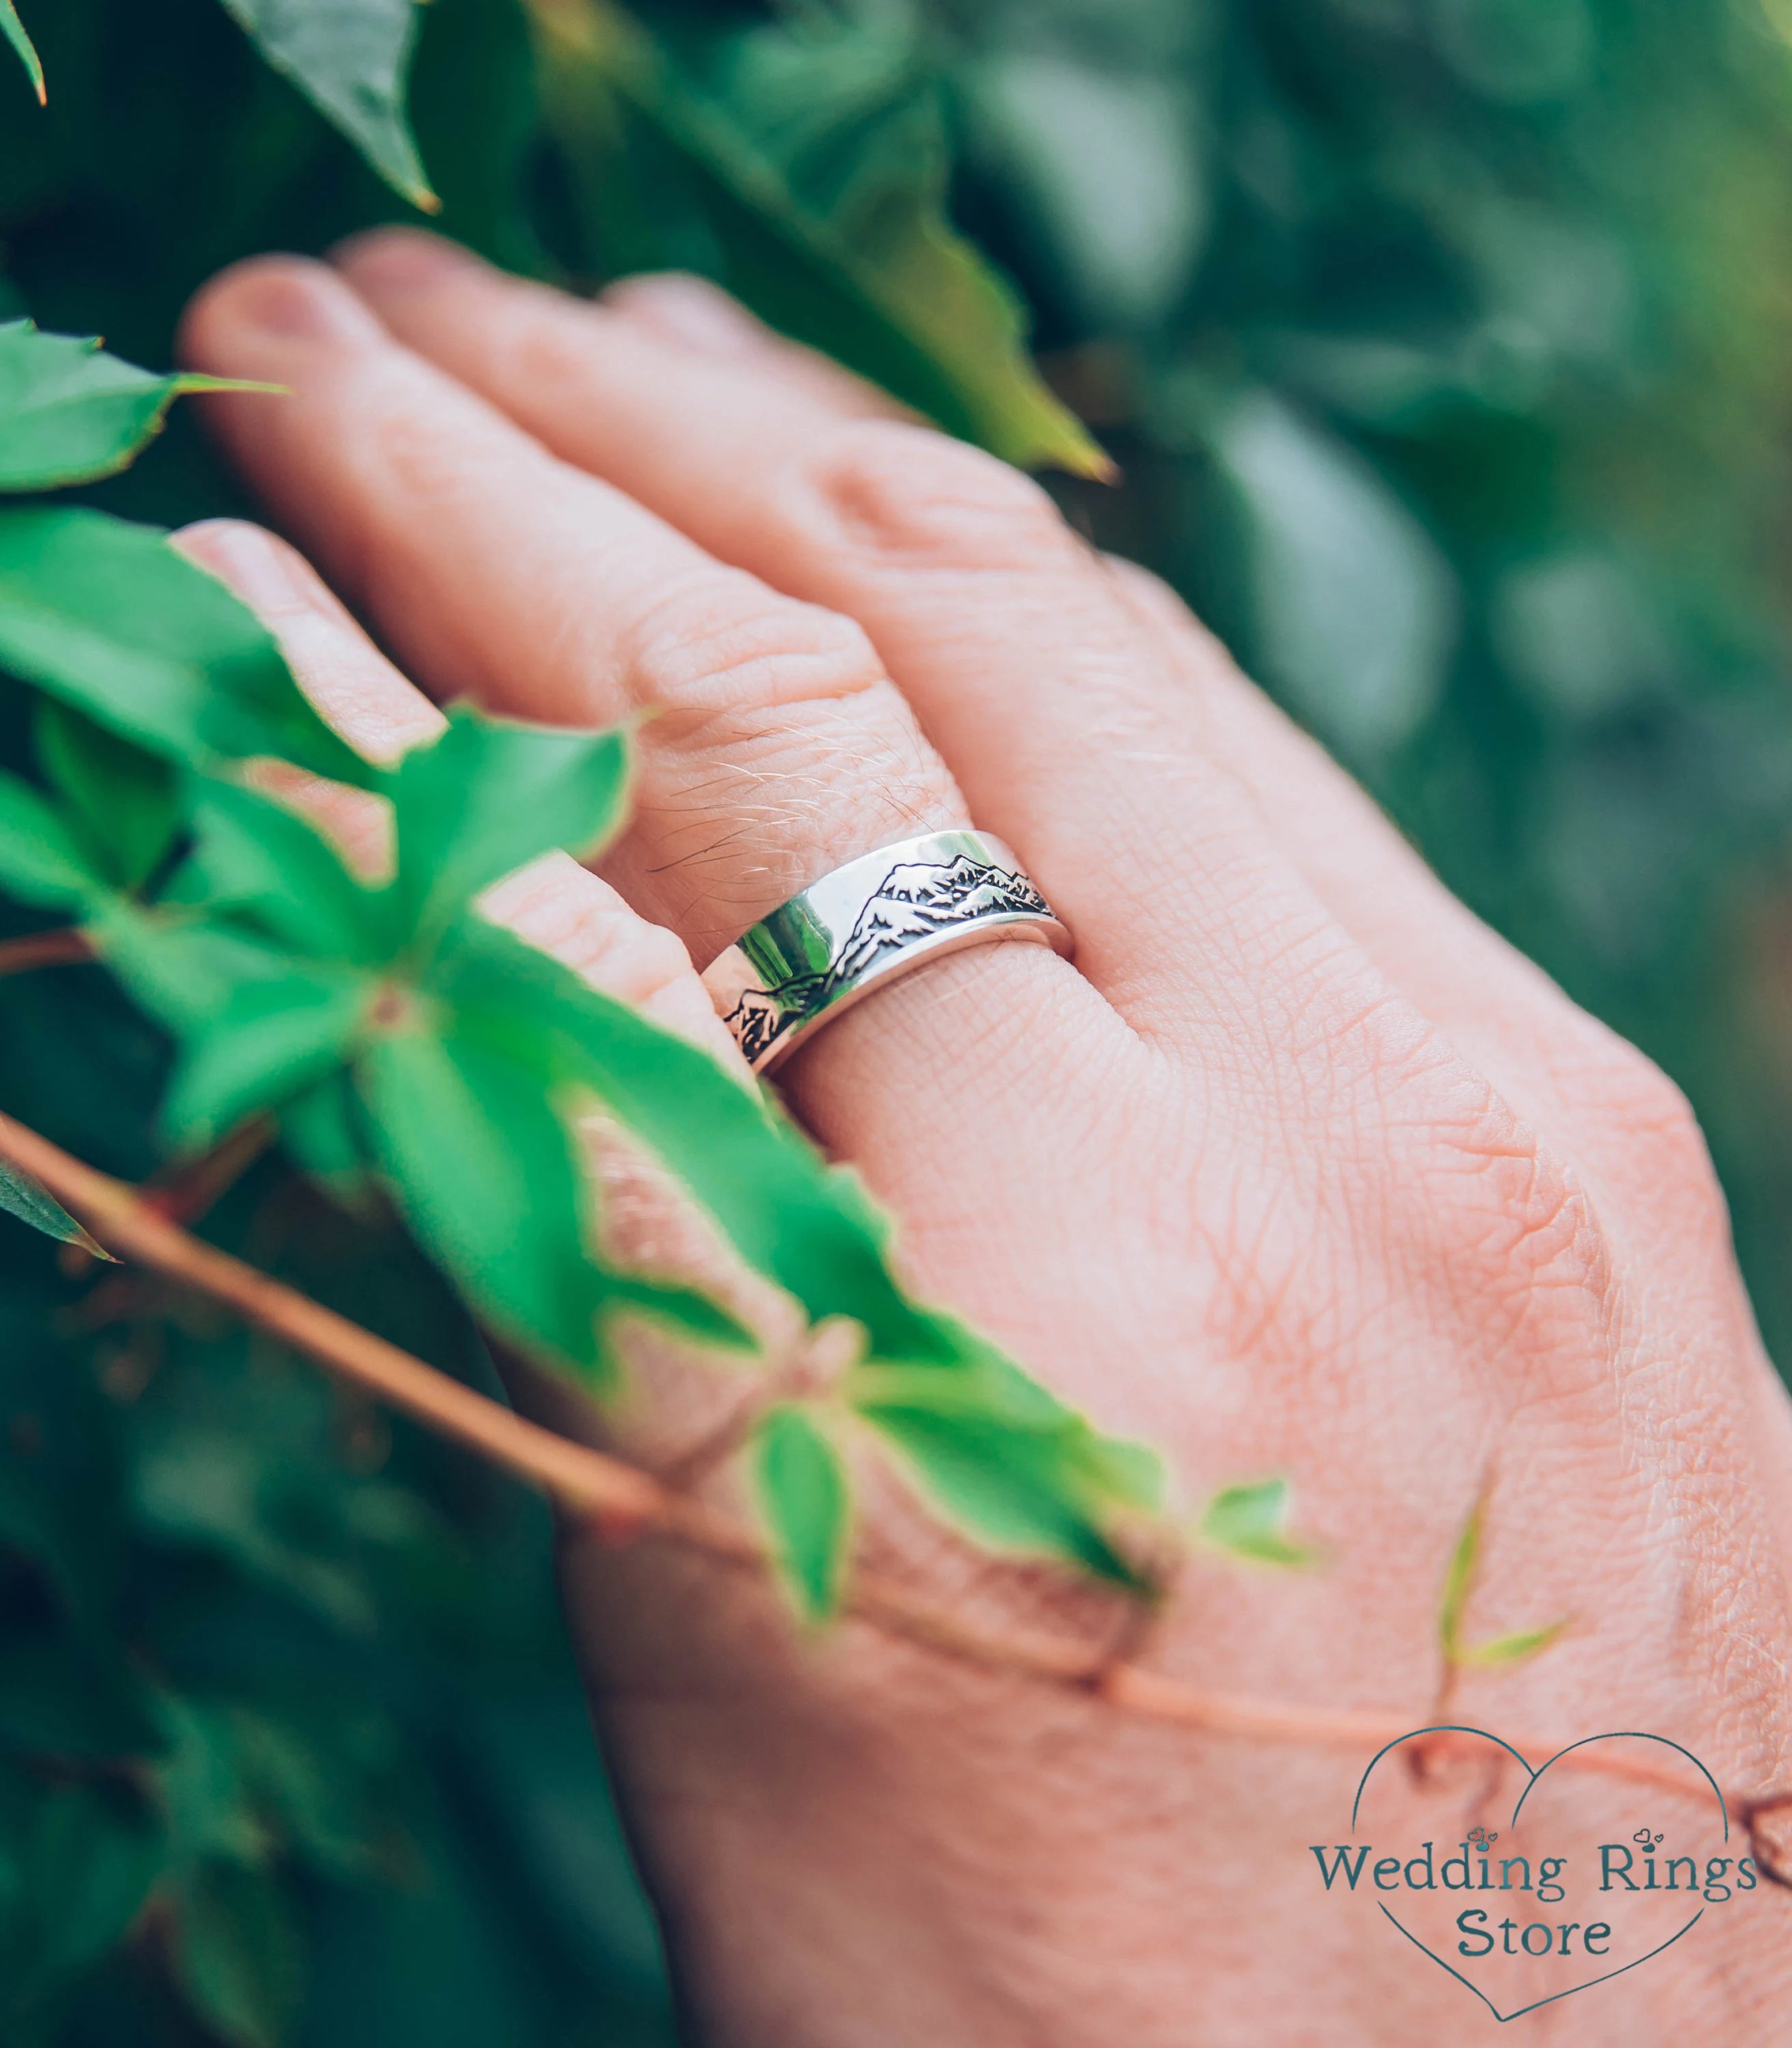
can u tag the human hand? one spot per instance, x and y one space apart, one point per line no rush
1296 1168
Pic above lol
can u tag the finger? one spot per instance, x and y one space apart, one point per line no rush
553 903
494 571
607 392
694 315
779 750
997 624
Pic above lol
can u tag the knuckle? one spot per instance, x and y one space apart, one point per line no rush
1654 1112
909 490
726 643
413 445
1530 1253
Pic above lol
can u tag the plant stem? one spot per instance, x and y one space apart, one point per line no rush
58 948
627 1502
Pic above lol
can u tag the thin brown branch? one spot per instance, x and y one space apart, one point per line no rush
58 948
628 1501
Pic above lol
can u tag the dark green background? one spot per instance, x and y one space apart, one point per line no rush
1444 345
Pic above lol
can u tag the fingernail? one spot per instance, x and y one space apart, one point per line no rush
401 259
306 302
690 310
247 561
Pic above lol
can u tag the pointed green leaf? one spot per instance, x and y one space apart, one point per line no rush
92 1858
351 59
122 799
1250 1521
1459 1582
13 30
803 1493
22 1196
41 863
267 1041
788 1215
1020 1489
237 1953
883 282
985 1387
321 1127
265 865
183 971
1513 1649
105 616
485 1171
70 413
491 794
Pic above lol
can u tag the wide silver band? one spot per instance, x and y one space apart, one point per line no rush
864 924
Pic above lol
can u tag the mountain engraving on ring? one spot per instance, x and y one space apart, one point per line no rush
913 901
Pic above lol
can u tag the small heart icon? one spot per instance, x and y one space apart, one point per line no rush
1576 1900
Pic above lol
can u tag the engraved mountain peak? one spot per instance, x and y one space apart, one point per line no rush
914 900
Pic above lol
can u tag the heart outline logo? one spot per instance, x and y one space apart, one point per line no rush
1531 1777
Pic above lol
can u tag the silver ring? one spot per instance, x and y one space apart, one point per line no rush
862 926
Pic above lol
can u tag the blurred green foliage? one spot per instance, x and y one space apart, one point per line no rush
1442 345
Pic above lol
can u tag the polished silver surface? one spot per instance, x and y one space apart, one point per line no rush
862 926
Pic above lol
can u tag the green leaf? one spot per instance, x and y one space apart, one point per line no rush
490 795
39 862
485 1171
64 1697
883 282
1020 1489
22 1196
1353 609
13 30
106 617
1250 1521
91 1856
351 59
788 1215
183 971
1459 1582
803 1493
1513 1649
321 1127
70 413
268 1041
262 863
238 1954
123 799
